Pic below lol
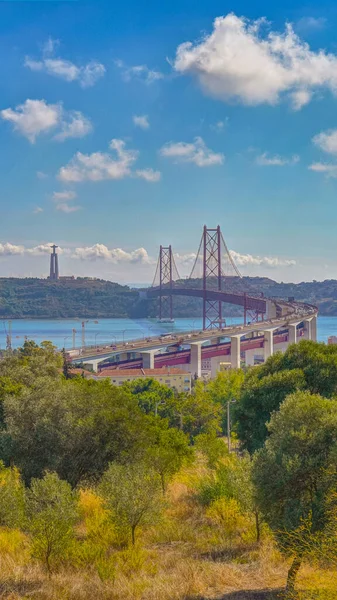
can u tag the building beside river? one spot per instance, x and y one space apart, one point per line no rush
174 378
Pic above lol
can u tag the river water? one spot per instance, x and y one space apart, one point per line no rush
111 330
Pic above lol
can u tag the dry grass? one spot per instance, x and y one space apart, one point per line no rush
185 557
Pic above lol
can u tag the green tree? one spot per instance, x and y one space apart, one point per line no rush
151 395
168 451
29 348
307 365
52 514
75 427
232 480
318 362
212 447
296 472
224 388
260 396
194 413
132 493
66 368
12 497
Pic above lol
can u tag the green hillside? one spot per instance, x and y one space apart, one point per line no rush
92 298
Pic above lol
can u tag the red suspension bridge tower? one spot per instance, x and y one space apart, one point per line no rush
165 283
213 263
212 309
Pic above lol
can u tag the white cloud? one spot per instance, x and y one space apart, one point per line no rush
66 208
149 175
307 24
244 260
86 75
34 117
100 166
114 255
300 98
75 125
185 260
241 260
141 121
236 61
219 126
327 141
41 175
50 46
64 196
329 169
62 199
37 210
43 249
102 254
276 161
9 249
91 73
196 152
141 72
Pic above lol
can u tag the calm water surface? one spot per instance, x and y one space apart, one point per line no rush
112 330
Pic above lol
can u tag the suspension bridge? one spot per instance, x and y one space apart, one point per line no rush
268 324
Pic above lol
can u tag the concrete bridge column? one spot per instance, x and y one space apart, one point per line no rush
292 333
268 343
307 329
196 358
94 364
249 358
314 329
235 352
148 359
271 309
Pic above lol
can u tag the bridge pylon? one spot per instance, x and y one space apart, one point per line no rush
165 281
212 272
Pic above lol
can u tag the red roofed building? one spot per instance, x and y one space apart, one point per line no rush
174 378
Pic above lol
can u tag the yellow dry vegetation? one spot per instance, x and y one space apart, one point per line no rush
192 553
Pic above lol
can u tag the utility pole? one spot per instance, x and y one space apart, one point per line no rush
83 334
74 339
9 337
229 402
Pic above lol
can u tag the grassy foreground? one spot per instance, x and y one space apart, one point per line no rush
188 554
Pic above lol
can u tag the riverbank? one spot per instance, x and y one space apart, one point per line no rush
60 331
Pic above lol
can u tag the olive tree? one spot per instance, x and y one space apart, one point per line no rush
295 475
52 514
132 494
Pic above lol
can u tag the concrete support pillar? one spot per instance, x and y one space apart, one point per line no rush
292 337
271 310
268 343
307 329
249 358
314 329
148 359
235 352
92 363
215 363
196 359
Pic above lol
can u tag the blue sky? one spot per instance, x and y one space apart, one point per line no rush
117 135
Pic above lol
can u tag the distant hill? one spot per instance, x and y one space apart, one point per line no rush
88 298
42 298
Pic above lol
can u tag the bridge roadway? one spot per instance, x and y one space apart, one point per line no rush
256 303
183 357
282 315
